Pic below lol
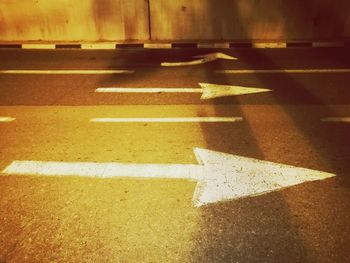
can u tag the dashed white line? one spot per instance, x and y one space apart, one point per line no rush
6 119
273 71
67 71
336 119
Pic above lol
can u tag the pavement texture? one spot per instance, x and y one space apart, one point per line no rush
87 219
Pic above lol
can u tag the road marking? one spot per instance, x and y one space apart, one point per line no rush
219 176
38 46
6 119
269 45
209 91
149 90
169 120
67 71
336 119
201 60
98 46
157 45
272 71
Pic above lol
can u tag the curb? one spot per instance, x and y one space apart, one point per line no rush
223 45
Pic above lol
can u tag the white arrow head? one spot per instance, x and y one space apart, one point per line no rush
228 177
213 56
211 91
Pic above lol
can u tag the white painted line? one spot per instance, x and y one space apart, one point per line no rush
169 120
272 71
328 44
201 60
38 46
98 46
67 71
269 45
149 90
157 45
336 119
6 119
219 176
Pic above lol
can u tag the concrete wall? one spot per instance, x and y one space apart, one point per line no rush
250 19
68 20
118 20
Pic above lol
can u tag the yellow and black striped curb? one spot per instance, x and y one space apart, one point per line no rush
223 45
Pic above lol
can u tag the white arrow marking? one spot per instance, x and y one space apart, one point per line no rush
209 91
67 71
219 176
273 71
201 60
169 120
336 119
6 119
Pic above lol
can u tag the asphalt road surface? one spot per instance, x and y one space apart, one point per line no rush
77 214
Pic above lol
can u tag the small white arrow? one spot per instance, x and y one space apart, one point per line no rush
219 176
201 60
209 91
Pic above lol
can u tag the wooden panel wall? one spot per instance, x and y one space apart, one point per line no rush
67 20
119 20
250 19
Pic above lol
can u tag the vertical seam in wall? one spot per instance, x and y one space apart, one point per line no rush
149 21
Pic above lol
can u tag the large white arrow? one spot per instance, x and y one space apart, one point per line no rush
201 59
219 176
208 91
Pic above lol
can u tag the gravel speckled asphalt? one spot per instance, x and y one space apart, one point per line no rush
79 219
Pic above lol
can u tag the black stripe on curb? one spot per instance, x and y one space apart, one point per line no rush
10 45
184 45
128 45
58 46
299 44
241 45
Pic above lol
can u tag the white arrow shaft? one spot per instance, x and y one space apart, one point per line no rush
188 63
106 170
149 90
